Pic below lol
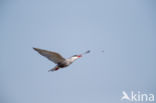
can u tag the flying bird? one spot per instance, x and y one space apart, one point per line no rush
60 61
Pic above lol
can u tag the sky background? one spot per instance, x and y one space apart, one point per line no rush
124 29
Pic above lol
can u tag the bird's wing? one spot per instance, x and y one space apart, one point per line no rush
53 56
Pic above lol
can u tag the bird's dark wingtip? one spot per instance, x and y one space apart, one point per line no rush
35 48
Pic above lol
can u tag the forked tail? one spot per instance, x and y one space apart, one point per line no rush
54 69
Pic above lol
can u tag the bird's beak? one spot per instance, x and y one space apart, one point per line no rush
79 56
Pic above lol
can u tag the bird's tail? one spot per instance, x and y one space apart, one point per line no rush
54 69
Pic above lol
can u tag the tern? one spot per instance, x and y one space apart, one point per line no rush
59 60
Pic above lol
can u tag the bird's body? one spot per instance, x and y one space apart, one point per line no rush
57 58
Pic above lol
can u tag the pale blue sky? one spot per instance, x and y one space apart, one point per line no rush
124 29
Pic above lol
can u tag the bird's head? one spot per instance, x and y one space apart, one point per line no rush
77 56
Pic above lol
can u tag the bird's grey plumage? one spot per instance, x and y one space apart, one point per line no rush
53 56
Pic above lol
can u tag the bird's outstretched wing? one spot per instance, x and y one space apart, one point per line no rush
53 56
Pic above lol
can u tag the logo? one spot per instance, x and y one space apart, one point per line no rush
137 97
